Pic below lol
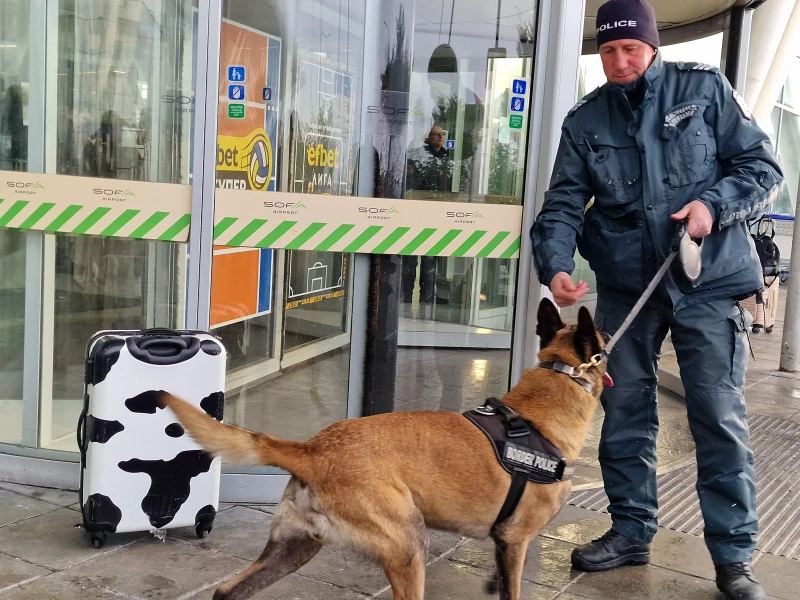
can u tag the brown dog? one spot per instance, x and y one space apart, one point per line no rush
377 483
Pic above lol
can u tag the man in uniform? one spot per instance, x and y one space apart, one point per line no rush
658 144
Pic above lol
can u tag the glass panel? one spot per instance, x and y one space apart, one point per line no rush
12 332
791 91
289 79
124 98
471 77
789 156
14 77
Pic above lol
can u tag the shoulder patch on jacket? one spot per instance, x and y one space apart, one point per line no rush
587 98
695 66
740 102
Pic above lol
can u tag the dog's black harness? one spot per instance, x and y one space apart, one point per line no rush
521 449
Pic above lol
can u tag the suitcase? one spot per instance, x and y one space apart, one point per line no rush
764 315
139 470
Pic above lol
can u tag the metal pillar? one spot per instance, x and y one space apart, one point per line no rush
790 345
554 92
737 47
201 234
385 169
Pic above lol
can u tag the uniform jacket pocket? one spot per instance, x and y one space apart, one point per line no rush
690 150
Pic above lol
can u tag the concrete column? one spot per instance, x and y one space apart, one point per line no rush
790 345
769 22
779 68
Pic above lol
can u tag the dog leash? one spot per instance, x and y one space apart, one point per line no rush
690 257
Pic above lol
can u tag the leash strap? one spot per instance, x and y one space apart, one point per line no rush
640 302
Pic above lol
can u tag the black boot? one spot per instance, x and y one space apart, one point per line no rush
737 582
609 552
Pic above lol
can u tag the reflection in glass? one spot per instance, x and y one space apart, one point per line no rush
470 86
289 343
124 102
788 149
14 77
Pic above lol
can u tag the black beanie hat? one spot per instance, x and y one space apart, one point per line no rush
627 20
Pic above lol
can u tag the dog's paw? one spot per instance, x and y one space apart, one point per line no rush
491 586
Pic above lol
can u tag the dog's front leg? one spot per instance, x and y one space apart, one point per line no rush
510 560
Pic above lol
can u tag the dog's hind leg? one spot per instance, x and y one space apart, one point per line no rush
399 543
280 558
405 567
294 539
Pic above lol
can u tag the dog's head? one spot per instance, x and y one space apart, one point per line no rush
571 344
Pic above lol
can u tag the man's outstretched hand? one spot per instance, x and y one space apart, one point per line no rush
565 292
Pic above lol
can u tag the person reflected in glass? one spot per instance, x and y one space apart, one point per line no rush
428 168
15 126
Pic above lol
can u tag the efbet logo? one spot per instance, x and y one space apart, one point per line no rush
25 187
250 156
110 192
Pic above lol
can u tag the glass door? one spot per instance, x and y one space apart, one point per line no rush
289 84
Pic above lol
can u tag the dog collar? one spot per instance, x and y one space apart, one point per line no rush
575 373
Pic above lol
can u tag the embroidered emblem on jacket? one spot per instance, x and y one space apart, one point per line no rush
676 116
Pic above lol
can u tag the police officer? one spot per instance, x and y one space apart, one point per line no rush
661 143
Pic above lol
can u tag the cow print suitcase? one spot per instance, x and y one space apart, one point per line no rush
139 470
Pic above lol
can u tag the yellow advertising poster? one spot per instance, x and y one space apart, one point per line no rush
249 101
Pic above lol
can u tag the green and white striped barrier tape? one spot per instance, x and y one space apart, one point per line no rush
91 206
105 220
156 211
371 239
366 225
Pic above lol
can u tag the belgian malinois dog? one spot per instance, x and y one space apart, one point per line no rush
375 484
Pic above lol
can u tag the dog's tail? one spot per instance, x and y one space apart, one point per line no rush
239 446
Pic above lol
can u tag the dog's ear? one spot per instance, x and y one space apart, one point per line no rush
549 322
585 341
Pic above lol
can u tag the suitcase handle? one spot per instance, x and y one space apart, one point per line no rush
163 350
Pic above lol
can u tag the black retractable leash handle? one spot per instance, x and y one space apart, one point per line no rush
691 260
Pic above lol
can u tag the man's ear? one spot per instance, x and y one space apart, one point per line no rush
585 341
549 322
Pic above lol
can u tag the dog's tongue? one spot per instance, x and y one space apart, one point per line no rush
607 381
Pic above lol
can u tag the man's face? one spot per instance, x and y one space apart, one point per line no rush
626 60
436 138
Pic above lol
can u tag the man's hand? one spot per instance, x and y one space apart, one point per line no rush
565 292
700 219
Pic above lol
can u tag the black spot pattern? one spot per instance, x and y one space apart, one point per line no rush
104 356
213 404
145 403
100 431
101 513
170 482
174 430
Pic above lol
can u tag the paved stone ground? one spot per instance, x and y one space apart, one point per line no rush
44 557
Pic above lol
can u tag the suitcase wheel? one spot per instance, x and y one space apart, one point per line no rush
756 328
98 539
769 329
202 530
